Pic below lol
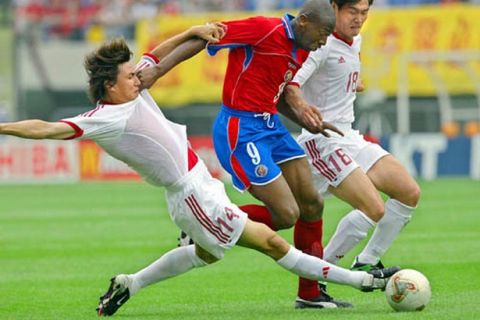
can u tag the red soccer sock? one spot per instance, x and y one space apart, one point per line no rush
259 214
308 238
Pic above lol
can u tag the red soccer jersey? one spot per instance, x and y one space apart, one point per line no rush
263 58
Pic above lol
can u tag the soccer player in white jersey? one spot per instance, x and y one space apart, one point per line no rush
349 167
128 124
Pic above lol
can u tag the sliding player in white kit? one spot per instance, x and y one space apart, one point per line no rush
132 128
349 167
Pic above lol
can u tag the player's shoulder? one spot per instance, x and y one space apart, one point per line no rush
263 23
105 109
266 20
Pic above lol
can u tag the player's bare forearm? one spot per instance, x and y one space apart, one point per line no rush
284 108
308 115
294 107
211 32
37 129
293 96
185 51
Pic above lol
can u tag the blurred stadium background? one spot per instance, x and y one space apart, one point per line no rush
421 64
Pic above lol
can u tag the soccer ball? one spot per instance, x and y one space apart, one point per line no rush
408 290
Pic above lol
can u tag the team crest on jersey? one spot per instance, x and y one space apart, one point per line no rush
261 171
288 76
341 60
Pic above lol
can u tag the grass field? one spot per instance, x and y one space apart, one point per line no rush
59 245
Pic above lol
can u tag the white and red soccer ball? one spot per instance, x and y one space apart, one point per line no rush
408 290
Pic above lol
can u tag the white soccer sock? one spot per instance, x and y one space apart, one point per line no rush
397 215
350 231
314 268
171 264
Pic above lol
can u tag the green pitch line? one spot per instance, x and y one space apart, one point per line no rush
59 245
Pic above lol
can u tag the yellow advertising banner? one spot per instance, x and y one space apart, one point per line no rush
425 47
430 48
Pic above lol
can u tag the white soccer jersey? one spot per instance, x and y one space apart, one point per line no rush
138 134
329 78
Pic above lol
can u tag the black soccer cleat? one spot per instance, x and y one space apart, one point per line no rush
378 278
184 240
323 301
116 295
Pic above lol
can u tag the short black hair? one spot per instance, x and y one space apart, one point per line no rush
341 3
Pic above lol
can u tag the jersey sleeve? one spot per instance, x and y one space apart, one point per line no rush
241 33
93 125
147 60
314 61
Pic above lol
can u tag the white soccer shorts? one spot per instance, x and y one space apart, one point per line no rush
199 205
333 159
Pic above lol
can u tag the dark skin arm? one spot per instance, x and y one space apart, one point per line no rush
183 52
211 32
295 108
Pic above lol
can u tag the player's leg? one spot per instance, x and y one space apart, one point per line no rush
171 264
308 231
197 204
278 198
357 190
259 237
390 177
242 142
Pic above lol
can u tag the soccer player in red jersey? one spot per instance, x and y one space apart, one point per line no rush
251 142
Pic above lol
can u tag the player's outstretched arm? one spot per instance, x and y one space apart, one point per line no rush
186 50
179 48
37 129
210 32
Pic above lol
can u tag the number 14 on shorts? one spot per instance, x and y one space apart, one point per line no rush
230 216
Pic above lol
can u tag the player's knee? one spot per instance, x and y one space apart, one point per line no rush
287 221
409 195
413 195
374 210
312 208
287 217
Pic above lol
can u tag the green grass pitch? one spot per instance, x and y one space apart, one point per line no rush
60 244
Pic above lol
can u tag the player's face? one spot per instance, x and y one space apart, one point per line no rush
350 19
313 36
127 86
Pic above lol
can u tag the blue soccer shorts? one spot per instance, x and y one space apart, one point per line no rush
250 146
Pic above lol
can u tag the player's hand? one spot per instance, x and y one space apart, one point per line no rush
211 32
327 126
147 77
313 121
310 116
